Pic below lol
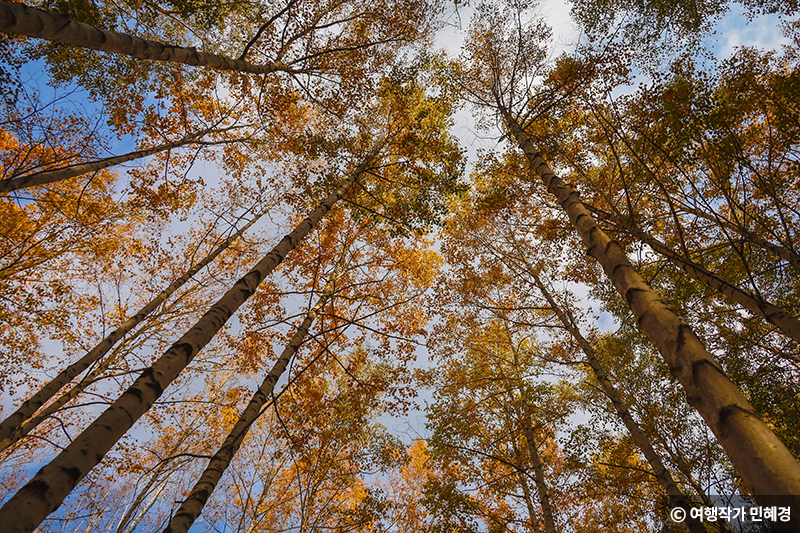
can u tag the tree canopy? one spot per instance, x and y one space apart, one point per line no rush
244 249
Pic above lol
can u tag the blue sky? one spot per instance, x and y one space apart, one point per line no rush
734 30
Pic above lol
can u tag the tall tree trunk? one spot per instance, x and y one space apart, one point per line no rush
193 505
526 490
758 455
533 451
772 313
641 440
64 398
48 488
536 463
25 20
53 176
14 428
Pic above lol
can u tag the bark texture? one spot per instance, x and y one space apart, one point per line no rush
193 505
24 20
758 455
772 313
48 488
17 424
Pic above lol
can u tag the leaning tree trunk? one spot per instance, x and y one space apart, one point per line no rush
193 505
48 488
641 440
764 463
24 20
15 427
56 175
65 397
788 324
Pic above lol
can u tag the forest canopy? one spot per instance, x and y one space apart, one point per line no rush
254 277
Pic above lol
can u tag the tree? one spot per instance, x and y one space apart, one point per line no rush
149 386
698 161
786 322
506 71
483 418
78 169
50 240
544 417
151 383
491 242
18 424
296 44
192 506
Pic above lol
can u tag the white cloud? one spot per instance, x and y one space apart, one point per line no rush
735 31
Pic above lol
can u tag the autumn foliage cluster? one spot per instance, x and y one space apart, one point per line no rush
242 249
